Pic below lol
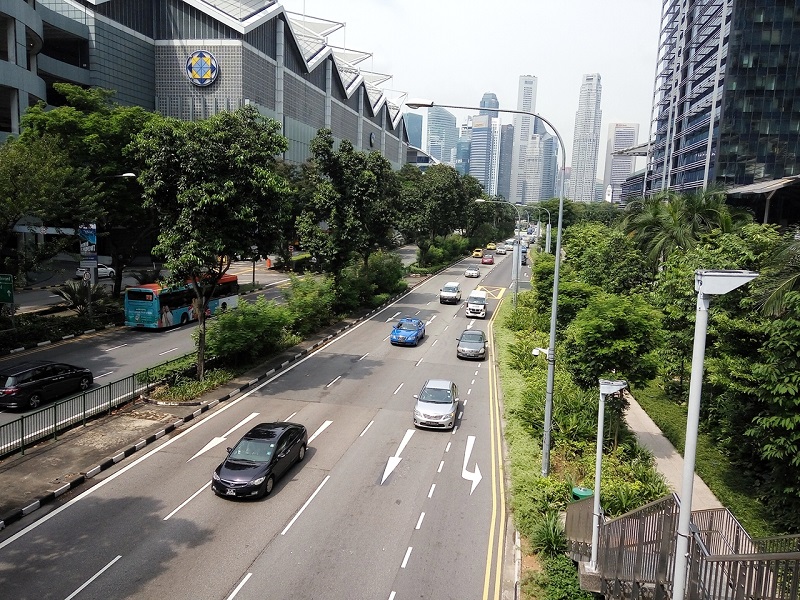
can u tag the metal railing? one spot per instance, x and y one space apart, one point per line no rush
578 529
50 420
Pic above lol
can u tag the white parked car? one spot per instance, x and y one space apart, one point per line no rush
102 271
472 271
501 249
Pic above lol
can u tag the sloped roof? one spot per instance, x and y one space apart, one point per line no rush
765 187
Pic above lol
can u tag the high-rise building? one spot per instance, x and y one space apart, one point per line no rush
489 105
619 168
442 134
586 140
523 129
506 152
462 148
484 152
414 129
727 94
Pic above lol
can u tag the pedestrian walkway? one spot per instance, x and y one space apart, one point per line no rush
668 460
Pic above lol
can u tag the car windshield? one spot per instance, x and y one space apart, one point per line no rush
477 300
450 288
472 269
436 395
406 326
253 450
472 336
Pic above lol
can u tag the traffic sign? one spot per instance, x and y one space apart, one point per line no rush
6 289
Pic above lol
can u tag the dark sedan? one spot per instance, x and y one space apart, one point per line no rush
259 459
28 384
472 344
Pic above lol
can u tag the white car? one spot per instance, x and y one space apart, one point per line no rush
102 271
501 249
472 271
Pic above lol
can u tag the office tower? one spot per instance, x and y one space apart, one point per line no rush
726 117
414 129
619 168
442 134
586 140
462 148
523 129
489 105
484 152
506 152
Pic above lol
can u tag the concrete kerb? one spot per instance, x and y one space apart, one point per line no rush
109 462
61 339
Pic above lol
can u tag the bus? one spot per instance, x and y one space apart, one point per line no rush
152 306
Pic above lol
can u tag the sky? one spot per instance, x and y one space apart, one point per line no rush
453 51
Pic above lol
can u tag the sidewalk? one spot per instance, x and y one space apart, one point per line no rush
668 461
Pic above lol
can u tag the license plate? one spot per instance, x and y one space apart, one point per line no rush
230 492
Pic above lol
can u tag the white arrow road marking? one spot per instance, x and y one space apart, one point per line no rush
218 440
474 477
431 321
392 317
393 461
322 428
471 323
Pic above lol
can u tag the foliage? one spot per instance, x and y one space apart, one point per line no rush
169 371
613 337
186 389
78 295
547 537
204 221
311 303
32 328
250 331
441 250
558 581
385 272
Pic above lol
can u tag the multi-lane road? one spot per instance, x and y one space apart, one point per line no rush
376 510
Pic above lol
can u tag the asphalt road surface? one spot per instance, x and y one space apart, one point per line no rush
378 509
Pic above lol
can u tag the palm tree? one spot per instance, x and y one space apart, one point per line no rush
76 293
784 277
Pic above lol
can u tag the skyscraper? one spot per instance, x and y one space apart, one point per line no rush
727 94
619 168
489 105
506 152
442 134
462 148
414 129
523 129
586 140
484 153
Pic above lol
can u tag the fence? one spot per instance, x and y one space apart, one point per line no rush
50 420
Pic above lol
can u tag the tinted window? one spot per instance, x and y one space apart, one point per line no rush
437 395
140 296
253 450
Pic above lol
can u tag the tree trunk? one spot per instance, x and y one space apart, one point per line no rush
201 340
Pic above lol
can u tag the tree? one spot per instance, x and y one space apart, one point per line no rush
216 189
38 181
95 132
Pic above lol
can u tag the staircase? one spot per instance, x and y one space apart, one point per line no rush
636 555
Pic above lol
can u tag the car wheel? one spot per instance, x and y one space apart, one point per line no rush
184 319
416 341
84 383
302 454
111 274
34 401
270 483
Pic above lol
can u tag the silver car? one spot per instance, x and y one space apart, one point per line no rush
472 271
472 344
437 405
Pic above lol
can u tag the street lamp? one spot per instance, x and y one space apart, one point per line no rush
607 387
514 255
547 234
551 351
706 284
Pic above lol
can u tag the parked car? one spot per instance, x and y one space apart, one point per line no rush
259 459
501 249
472 344
28 384
437 405
491 246
408 331
450 293
524 260
477 253
487 259
472 271
102 271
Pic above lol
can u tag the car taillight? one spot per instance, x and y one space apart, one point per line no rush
10 391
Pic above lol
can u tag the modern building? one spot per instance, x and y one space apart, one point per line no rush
484 152
727 100
190 59
442 134
619 167
523 129
586 140
506 154
489 105
462 148
413 129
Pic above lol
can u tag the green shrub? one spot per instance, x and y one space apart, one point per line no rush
354 290
379 299
558 581
385 272
186 389
168 371
547 537
311 303
31 328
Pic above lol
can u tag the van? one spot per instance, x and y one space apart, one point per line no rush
450 293
476 304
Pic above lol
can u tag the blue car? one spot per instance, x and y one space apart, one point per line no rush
408 331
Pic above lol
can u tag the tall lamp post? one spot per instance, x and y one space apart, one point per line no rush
706 284
551 351
547 234
515 256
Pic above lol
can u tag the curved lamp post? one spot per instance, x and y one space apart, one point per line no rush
517 247
551 351
547 233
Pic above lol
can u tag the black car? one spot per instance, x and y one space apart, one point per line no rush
253 465
524 260
28 384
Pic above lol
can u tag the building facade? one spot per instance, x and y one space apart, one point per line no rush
442 134
727 101
484 152
619 168
462 148
523 130
504 167
489 105
585 142
413 123
191 59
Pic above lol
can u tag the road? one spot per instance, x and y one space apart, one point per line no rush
376 510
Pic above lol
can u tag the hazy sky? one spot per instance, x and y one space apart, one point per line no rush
452 51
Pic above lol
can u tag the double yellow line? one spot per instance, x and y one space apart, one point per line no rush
497 527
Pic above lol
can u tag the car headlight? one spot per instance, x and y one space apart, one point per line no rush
258 481
482 351
451 415
215 476
417 414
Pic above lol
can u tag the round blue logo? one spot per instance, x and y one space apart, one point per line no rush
202 68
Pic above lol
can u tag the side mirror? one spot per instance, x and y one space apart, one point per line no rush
486 344
416 396
229 450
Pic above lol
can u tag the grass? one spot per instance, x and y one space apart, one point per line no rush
189 389
714 468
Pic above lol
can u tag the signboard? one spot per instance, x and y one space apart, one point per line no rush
6 289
